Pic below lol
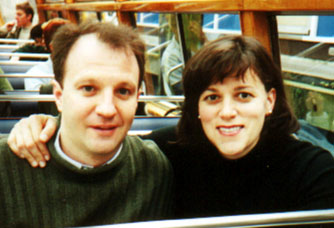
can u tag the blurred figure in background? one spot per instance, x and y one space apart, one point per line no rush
4 86
20 28
44 68
37 46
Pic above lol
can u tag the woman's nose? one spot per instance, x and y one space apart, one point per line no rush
227 109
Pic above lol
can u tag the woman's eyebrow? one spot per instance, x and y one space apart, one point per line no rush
242 87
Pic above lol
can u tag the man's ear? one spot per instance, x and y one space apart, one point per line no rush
140 92
58 94
29 17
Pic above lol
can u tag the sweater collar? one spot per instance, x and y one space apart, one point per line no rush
75 163
70 169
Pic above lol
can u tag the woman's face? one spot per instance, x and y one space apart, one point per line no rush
232 113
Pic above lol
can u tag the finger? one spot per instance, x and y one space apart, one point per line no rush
31 148
49 129
13 144
39 149
29 158
21 147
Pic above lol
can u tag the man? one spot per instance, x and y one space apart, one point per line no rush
98 174
21 28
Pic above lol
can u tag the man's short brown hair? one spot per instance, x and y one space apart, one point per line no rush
117 36
25 6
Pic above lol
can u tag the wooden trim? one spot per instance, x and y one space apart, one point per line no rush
90 6
182 6
297 6
254 15
40 1
70 15
127 18
288 5
256 24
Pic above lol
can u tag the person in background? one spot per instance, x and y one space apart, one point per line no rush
98 174
37 46
172 62
233 150
20 28
5 85
44 68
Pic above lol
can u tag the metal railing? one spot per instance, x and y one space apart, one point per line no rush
253 220
25 55
24 75
15 41
25 97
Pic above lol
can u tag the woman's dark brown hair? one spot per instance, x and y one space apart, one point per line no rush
225 57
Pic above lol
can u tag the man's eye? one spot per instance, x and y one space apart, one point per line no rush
88 88
124 91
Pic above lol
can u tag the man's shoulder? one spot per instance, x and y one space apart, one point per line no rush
5 151
145 144
144 148
3 141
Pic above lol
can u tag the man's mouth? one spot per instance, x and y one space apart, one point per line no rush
105 129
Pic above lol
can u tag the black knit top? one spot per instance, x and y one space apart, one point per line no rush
281 174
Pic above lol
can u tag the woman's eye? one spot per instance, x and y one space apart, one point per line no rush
211 97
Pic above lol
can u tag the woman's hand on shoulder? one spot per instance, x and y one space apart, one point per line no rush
29 136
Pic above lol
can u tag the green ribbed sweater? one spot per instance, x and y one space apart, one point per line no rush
134 187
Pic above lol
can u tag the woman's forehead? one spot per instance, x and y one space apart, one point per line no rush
249 76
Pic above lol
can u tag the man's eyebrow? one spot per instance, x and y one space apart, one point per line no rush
128 84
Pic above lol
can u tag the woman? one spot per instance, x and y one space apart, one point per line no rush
232 151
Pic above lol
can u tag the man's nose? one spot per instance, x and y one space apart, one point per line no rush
106 105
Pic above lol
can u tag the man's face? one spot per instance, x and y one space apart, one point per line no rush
22 19
98 100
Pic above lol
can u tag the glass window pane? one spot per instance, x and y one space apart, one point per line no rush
88 16
307 58
98 16
167 53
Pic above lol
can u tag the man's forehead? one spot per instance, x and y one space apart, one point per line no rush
87 41
19 11
98 56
